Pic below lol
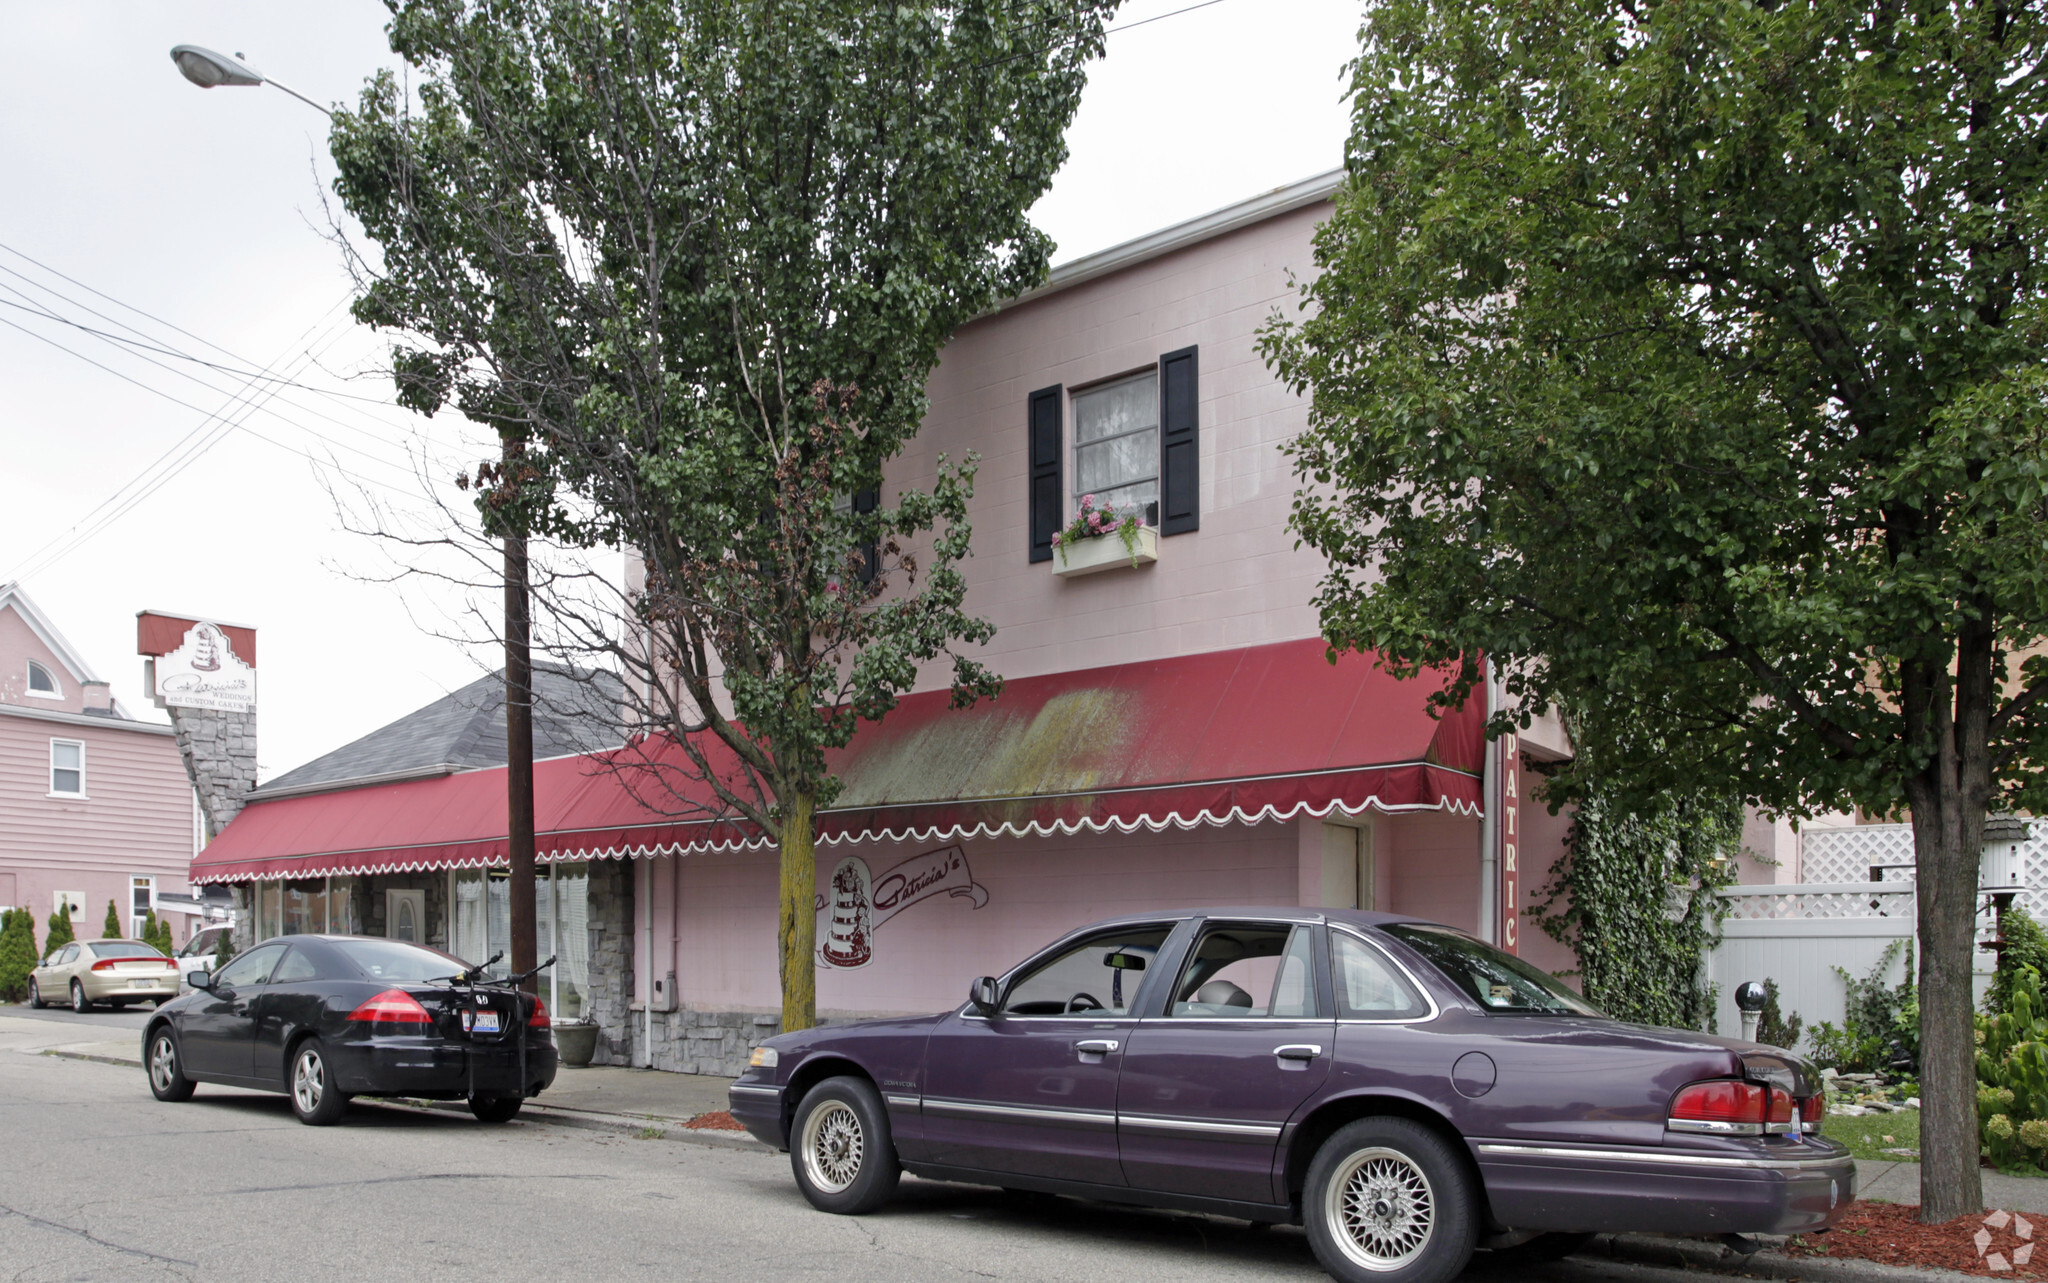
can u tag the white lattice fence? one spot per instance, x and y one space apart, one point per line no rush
1849 854
1820 902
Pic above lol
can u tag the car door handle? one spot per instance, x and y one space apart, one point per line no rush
1298 1051
1095 1046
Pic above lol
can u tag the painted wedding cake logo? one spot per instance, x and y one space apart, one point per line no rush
857 902
205 672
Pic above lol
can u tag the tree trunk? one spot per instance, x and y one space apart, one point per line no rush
799 926
1946 839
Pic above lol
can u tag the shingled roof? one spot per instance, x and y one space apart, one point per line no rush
574 711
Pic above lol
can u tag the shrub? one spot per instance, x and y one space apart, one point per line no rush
2024 946
1880 1025
112 929
223 950
1773 1027
17 953
60 931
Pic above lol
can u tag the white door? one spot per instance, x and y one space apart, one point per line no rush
405 915
1348 867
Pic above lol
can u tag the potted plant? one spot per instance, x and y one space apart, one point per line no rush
576 1041
1086 546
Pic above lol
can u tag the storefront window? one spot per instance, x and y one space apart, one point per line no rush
305 907
269 910
341 906
482 926
572 942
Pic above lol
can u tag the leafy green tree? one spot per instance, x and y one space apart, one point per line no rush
17 953
60 931
695 261
2023 945
1687 359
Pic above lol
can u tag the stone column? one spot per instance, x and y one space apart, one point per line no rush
220 757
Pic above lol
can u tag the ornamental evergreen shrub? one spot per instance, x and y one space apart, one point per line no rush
112 929
61 933
1773 1027
17 953
155 933
224 950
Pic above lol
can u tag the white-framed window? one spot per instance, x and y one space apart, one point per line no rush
141 900
42 682
1116 445
480 924
67 768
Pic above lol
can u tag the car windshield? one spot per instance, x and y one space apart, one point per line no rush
399 961
1497 981
124 949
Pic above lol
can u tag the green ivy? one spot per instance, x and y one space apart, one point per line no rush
2024 946
1635 897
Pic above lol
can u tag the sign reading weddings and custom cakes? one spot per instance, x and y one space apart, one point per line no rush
205 672
856 902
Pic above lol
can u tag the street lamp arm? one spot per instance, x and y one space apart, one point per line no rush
207 69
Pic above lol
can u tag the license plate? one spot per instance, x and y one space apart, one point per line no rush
486 1022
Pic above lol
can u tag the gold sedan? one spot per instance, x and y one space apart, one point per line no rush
116 972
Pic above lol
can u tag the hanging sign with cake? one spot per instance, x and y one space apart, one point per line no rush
857 902
204 672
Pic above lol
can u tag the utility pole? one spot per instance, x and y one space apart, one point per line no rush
519 719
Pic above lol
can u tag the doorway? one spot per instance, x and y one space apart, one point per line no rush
405 915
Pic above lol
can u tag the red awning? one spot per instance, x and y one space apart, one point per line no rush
1266 733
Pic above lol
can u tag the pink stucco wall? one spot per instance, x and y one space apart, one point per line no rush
1239 580
1543 836
714 915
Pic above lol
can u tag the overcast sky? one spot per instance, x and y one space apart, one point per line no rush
203 210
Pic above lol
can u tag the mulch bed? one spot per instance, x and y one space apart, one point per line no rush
1991 1244
719 1121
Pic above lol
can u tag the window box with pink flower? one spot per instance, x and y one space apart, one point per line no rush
1103 538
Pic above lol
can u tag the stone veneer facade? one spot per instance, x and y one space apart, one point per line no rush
220 756
685 1041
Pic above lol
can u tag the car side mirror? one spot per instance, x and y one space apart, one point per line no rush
200 980
984 995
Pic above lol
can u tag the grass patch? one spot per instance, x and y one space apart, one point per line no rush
651 1133
1870 1135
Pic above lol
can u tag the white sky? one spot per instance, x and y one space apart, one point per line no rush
204 209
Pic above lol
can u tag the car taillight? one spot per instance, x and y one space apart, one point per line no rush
108 965
395 1006
1720 1107
1812 1110
1784 1115
539 1019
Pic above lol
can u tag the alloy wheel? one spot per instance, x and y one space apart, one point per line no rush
309 1081
1382 1208
78 1002
163 1063
833 1146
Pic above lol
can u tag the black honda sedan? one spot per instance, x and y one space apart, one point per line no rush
323 1018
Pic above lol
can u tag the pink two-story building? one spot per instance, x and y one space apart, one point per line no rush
1173 731
95 806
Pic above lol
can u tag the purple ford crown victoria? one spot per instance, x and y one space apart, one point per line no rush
1404 1091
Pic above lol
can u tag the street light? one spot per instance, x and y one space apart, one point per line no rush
207 69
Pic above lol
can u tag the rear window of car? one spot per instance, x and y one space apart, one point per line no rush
1496 980
123 949
399 961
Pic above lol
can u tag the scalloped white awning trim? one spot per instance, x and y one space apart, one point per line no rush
936 833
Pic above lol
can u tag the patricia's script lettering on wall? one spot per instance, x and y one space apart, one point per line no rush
858 901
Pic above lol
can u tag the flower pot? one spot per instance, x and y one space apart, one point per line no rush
1104 552
575 1044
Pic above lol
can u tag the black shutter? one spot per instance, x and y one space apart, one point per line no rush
1180 451
864 502
1046 500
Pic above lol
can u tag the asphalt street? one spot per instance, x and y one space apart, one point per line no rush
101 1181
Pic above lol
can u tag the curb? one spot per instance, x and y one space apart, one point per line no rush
97 1059
590 1120
549 1115
1705 1256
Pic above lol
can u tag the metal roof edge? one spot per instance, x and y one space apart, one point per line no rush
87 719
434 771
1166 240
